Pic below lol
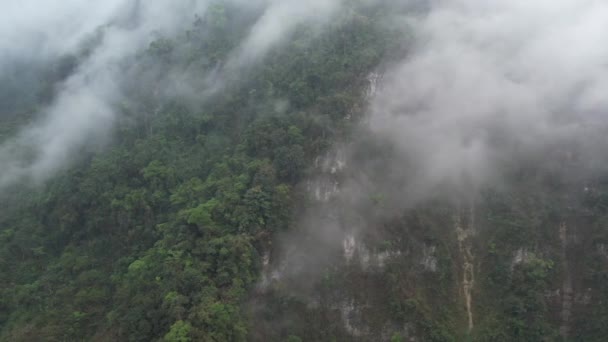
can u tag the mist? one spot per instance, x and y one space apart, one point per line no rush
44 29
279 19
485 88
490 84
341 165
85 107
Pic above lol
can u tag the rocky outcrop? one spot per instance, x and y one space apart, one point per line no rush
464 233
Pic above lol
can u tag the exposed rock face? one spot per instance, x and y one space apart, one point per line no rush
464 234
374 80
522 256
370 279
350 246
429 260
348 312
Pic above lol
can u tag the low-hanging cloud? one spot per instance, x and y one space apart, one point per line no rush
33 28
490 83
84 109
485 83
277 22
486 87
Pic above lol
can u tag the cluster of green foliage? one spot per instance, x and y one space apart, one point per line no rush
512 304
158 236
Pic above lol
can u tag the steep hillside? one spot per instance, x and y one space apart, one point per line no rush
159 233
360 170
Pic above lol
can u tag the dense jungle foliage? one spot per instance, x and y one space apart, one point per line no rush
156 236
159 233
